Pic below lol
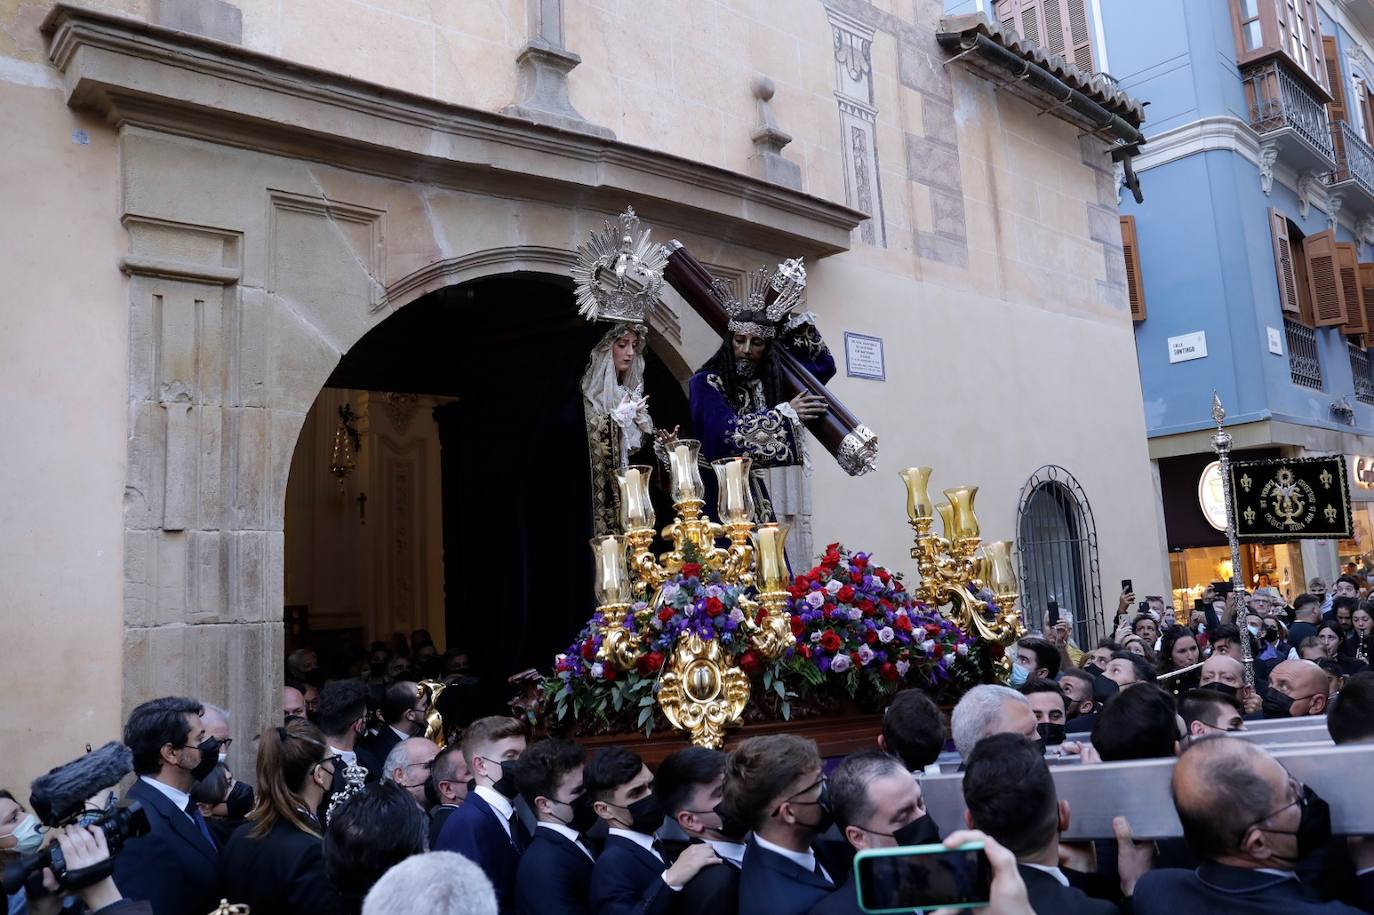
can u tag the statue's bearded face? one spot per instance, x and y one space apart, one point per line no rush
748 351
623 352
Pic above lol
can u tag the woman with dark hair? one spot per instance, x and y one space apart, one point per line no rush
211 795
1338 648
274 862
369 831
1179 650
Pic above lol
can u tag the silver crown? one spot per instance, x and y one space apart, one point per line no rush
619 272
354 778
769 299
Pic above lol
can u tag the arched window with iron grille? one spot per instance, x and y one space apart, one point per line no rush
1057 542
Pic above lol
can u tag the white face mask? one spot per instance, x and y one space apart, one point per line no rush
223 757
26 835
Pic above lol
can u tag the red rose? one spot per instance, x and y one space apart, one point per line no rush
897 586
870 636
797 591
932 629
714 607
883 575
608 671
937 651
665 614
830 641
902 623
845 594
804 650
651 662
856 658
588 650
888 671
750 663
866 607
798 626
856 576
691 570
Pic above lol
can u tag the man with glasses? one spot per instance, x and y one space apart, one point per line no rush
1251 824
1207 712
408 765
775 786
404 706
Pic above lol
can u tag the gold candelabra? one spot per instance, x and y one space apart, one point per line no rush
952 567
701 690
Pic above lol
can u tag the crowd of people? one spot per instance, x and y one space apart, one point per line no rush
353 809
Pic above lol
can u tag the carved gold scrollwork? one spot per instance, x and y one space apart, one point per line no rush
699 693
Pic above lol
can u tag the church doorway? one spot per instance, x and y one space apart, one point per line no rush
452 494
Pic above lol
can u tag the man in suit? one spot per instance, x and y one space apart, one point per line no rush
878 804
632 875
1010 796
555 872
175 866
1251 824
689 785
404 706
486 829
449 774
1081 705
774 784
343 721
1207 713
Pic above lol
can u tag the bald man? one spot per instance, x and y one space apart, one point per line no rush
1296 689
1225 674
1242 815
292 703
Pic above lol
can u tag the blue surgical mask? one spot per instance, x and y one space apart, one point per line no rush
26 836
1254 630
1019 675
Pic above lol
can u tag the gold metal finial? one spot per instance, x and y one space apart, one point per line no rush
1218 411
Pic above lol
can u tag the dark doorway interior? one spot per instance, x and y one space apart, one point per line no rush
516 484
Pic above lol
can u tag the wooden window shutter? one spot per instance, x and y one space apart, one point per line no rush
1347 264
1021 15
1328 298
1366 272
1335 109
1135 286
1283 262
1079 35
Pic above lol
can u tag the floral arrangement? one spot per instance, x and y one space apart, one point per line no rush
860 636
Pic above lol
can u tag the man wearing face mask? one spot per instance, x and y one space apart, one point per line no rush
877 804
632 873
1251 824
775 785
689 785
1226 675
404 705
448 783
175 866
1036 659
408 765
1010 796
487 829
555 872
240 799
1049 704
1080 704
1296 689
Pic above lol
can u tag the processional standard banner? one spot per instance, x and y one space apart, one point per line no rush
1291 499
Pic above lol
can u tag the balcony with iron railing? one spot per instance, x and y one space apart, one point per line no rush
1288 112
1353 176
1304 365
1359 367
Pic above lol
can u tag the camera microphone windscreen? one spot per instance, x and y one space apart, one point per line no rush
62 793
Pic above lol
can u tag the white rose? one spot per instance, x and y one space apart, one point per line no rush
737 615
816 599
962 648
815 636
840 664
855 614
597 670
885 634
865 654
903 667
833 585
928 644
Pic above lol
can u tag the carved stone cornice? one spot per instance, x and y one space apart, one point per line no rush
140 74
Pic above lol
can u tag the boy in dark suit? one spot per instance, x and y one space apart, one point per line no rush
632 876
1010 796
688 785
486 829
175 866
878 804
774 784
555 872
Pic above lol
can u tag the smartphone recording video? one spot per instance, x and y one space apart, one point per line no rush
922 877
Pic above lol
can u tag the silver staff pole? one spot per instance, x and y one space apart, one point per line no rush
1221 444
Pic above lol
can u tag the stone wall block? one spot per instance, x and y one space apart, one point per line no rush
212 346
1104 225
932 163
947 211
257 668
212 504
209 662
182 450
250 467
137 668
299 359
938 122
248 572
162 665
916 69
139 579
284 432
179 306
143 340
172 577
252 345
1115 259
210 567
147 461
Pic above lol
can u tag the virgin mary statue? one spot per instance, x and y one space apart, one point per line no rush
618 273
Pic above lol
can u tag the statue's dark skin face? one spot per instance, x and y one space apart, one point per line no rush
748 346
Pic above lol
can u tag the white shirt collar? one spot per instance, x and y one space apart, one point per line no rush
805 859
1052 870
349 757
498 802
1277 873
180 798
567 832
728 851
398 732
639 838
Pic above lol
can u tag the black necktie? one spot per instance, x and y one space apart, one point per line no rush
660 849
194 813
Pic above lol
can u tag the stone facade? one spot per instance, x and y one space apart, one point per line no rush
233 222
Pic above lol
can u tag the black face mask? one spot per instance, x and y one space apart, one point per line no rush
239 802
1050 733
822 805
920 831
432 797
1216 686
583 815
731 826
505 785
1277 705
646 815
1314 824
1104 689
209 758
1093 668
